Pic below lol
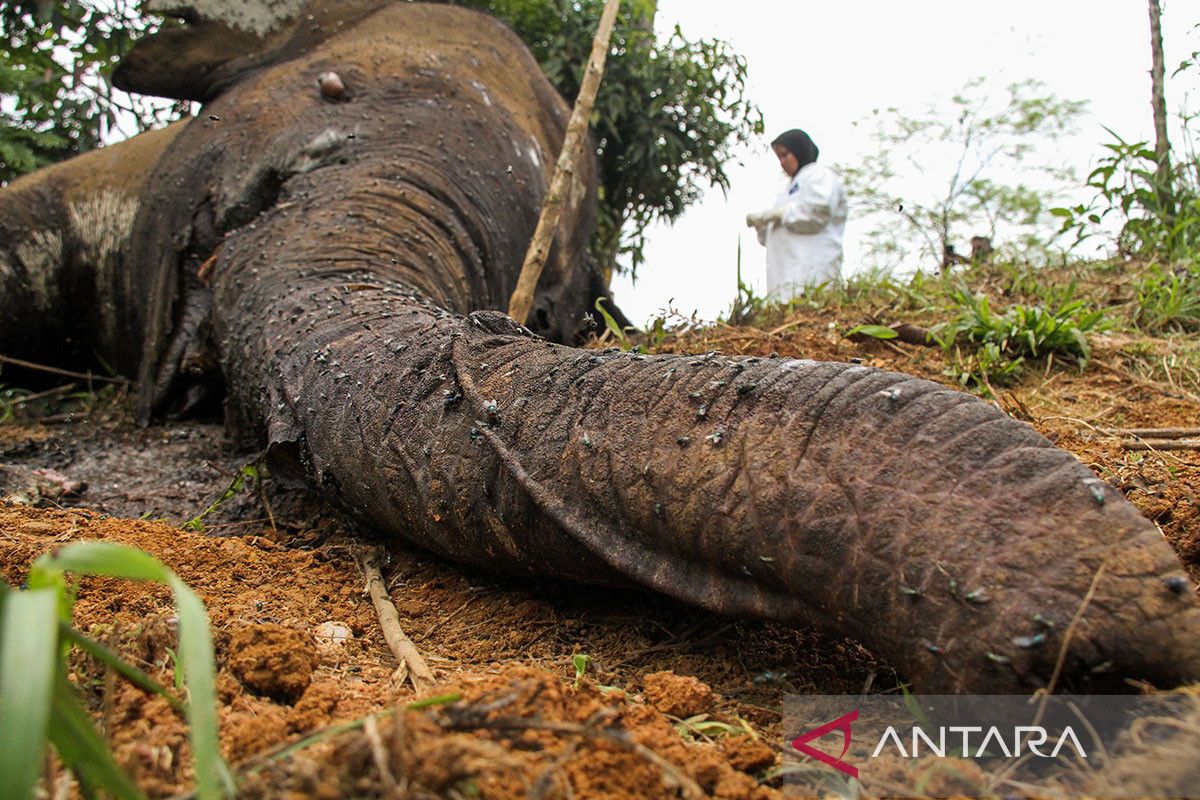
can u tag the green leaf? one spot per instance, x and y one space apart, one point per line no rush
874 331
213 780
81 748
28 651
99 558
581 662
119 665
610 322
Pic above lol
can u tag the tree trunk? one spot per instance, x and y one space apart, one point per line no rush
1162 146
521 302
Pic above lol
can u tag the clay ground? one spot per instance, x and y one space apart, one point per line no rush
299 647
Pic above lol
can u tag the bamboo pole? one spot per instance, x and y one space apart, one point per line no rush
521 302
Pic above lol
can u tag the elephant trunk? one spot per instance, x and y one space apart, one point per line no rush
942 534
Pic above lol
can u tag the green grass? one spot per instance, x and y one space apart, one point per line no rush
1169 300
39 705
999 344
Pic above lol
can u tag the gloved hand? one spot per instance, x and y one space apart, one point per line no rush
761 219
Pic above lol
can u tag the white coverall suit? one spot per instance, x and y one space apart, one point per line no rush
803 233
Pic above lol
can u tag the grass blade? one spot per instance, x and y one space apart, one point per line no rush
81 748
123 668
213 780
98 558
28 647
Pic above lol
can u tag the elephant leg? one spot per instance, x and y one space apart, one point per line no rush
942 534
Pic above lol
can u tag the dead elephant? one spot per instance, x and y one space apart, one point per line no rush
335 252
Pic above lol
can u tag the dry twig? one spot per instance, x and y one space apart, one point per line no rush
379 754
389 620
1168 444
1155 433
87 376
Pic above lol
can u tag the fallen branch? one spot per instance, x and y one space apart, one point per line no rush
1155 433
389 620
913 334
66 373
1167 444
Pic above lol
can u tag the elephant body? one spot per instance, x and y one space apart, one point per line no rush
64 235
338 257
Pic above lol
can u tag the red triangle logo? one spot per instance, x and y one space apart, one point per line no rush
801 743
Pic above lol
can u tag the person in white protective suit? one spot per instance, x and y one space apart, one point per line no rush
803 231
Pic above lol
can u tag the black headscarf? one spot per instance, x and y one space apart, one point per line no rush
798 144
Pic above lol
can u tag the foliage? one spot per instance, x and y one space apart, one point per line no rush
248 472
612 326
1153 218
56 99
1157 213
974 156
38 703
668 116
999 344
1169 300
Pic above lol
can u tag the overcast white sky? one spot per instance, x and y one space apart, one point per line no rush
821 66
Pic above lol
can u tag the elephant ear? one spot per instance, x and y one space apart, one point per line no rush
210 45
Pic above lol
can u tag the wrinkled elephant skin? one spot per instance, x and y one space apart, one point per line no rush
351 235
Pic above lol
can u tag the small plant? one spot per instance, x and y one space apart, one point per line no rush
251 472
10 400
981 369
747 307
581 662
999 344
38 703
613 327
1158 214
1029 331
1169 300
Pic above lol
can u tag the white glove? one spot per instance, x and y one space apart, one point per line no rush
762 219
